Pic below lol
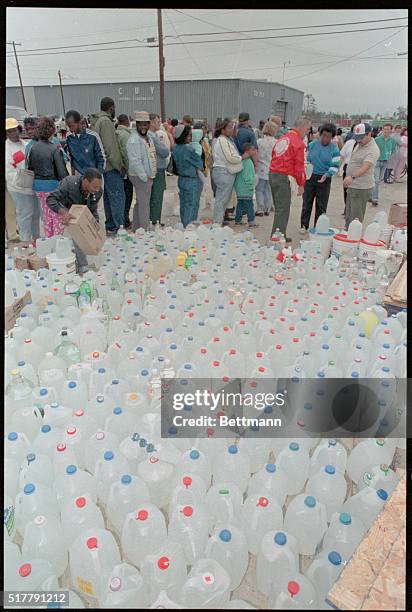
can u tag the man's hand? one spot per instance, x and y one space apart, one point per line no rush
347 181
301 189
65 216
323 178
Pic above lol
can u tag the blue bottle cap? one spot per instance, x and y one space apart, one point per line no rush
386 345
280 538
12 436
188 366
325 346
126 479
115 381
386 369
232 449
332 442
43 392
225 535
335 558
310 501
101 370
271 468
173 430
382 494
71 469
108 455
345 518
72 385
173 347
308 406
144 372
31 457
294 446
46 428
355 375
117 410
21 363
139 349
329 469
29 489
194 454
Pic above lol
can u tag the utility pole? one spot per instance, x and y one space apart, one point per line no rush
19 73
61 92
284 68
161 66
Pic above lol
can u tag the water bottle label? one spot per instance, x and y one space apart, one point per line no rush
85 586
9 519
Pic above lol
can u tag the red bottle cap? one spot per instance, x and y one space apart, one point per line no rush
187 481
163 563
142 515
91 543
293 588
188 510
81 502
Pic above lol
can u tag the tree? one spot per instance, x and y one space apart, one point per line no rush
401 113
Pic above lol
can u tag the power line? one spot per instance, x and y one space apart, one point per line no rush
204 42
349 58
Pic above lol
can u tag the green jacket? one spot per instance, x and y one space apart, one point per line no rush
103 125
245 180
123 135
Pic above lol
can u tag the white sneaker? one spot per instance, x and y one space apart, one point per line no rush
303 230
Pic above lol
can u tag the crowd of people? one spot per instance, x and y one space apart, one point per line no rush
119 159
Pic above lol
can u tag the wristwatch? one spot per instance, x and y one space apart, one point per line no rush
354 177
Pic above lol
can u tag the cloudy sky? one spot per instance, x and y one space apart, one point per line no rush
356 72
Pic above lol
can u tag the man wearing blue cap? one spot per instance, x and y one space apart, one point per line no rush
359 179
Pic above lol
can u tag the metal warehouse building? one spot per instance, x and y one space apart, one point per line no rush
200 98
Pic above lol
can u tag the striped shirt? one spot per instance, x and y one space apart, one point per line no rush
325 159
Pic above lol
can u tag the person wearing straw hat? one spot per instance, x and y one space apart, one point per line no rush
27 209
141 152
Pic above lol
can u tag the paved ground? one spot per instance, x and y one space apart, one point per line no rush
389 194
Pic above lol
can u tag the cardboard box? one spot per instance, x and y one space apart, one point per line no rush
35 262
398 215
12 312
86 232
21 262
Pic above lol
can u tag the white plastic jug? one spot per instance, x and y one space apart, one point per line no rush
294 462
344 534
124 588
223 504
259 514
329 487
306 519
144 530
294 592
232 466
44 539
188 526
126 493
78 515
372 451
207 586
366 504
278 556
229 547
271 481
164 570
324 571
158 477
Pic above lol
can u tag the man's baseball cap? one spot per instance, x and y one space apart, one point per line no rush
361 130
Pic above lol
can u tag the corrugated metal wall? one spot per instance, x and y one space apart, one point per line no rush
200 98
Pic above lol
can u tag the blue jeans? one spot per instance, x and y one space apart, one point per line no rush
379 174
27 215
245 205
189 196
264 198
224 182
114 199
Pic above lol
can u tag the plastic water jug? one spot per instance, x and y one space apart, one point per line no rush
187 490
126 493
144 530
374 451
233 466
188 526
207 586
124 589
294 462
108 470
100 442
34 500
100 408
366 504
223 504
278 556
44 539
306 519
379 477
228 546
329 487
31 574
19 392
324 571
164 570
293 592
158 476
92 556
259 514
78 515
27 421
74 394
98 379
322 224
36 468
344 534
372 232
355 230
196 462
328 452
74 483
270 481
